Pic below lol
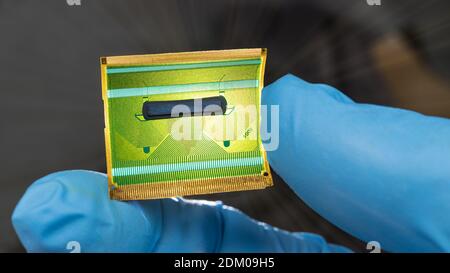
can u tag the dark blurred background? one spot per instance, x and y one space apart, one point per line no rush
395 54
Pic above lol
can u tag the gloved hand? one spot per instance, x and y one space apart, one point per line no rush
379 173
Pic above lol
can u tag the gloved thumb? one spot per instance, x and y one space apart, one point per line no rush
72 208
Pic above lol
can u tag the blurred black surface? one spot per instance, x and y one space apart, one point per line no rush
51 109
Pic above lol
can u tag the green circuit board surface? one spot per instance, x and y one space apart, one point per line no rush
145 159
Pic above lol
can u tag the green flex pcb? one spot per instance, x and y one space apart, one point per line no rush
184 123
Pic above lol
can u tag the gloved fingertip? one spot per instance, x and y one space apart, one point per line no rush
293 87
23 217
278 86
74 207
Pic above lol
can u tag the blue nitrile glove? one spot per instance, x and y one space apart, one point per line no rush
73 206
377 172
